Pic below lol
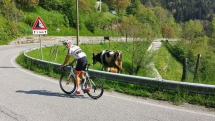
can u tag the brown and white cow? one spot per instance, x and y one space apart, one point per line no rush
109 58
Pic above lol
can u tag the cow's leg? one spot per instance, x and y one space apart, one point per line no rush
118 65
121 69
118 70
105 68
102 68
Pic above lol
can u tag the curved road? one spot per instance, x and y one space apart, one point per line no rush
25 96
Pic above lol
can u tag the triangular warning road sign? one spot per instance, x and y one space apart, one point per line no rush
38 24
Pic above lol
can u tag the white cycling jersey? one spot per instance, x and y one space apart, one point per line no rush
76 52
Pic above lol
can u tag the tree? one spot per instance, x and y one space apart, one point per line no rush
164 16
147 16
140 35
121 5
29 2
133 8
9 10
86 6
192 30
127 26
13 15
197 46
167 32
118 5
212 29
111 4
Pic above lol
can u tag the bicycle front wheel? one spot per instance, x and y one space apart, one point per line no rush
67 84
95 86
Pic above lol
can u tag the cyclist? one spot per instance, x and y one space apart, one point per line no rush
81 59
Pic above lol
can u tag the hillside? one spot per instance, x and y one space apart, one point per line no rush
185 10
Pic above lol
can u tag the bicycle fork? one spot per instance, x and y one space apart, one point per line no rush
68 78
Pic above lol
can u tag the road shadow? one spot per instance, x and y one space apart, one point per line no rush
49 93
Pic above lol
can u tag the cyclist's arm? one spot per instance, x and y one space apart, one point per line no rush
73 61
65 61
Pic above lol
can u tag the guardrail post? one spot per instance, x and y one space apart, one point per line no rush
184 74
197 67
107 38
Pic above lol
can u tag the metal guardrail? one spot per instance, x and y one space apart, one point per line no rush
167 84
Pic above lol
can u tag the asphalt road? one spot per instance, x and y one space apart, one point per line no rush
25 96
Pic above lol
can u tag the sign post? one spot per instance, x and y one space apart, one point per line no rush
39 28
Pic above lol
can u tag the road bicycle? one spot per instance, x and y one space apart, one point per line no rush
92 85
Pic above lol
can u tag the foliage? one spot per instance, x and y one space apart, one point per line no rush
192 30
184 10
54 4
141 58
9 10
205 73
198 46
29 2
133 8
129 26
212 29
147 16
167 32
180 50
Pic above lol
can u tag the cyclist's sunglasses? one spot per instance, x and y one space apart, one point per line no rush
64 43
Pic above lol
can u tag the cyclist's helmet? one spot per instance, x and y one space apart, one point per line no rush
65 42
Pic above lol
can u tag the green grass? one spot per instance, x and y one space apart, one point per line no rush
177 97
167 65
89 49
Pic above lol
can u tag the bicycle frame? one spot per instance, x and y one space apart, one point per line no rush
71 72
72 69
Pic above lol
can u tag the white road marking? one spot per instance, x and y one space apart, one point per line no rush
13 60
161 106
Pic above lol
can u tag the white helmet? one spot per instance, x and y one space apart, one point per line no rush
65 42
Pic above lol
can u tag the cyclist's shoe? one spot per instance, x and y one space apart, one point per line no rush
78 92
86 90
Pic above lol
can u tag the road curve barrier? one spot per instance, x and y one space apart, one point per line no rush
167 84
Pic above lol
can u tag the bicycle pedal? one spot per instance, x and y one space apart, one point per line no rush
86 90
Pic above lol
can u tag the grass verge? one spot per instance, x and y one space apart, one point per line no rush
177 97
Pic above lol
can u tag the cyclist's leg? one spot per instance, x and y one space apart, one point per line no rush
81 66
77 75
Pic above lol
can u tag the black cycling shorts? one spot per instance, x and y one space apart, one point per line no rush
81 64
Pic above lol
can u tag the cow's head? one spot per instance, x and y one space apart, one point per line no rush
96 58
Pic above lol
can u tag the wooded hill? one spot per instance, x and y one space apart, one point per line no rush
184 10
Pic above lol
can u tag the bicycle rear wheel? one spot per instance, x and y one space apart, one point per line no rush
66 87
95 86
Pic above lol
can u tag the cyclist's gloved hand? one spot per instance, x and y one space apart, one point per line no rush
70 64
61 66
